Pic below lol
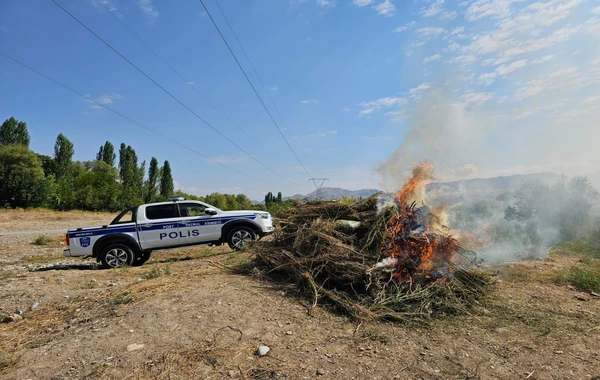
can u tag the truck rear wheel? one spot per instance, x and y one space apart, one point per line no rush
117 256
239 236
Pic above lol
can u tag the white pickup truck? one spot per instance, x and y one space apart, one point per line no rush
132 236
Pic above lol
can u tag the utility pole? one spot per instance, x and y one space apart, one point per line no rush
318 182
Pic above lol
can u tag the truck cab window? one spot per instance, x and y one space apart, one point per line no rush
127 216
192 209
161 212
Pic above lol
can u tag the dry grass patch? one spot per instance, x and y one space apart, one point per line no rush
43 259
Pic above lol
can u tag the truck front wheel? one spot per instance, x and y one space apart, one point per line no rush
239 236
117 256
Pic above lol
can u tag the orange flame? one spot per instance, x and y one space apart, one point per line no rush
421 249
420 175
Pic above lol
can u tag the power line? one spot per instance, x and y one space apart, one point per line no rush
256 73
318 182
253 88
175 71
168 93
126 117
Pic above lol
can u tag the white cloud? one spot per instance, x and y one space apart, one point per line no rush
505 69
323 134
476 98
383 103
430 31
487 78
457 30
434 9
377 137
386 9
377 105
108 4
191 83
539 14
405 27
449 15
435 57
596 10
148 8
592 98
543 59
489 8
465 59
362 3
273 88
346 109
397 116
309 101
326 3
104 100
415 92
452 47
557 82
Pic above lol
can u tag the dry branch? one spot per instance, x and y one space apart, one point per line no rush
329 258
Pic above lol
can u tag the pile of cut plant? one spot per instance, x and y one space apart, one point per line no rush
374 260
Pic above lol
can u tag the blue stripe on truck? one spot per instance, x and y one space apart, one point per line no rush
101 231
157 226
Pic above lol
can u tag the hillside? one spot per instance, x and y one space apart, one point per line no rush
478 188
474 189
337 193
486 188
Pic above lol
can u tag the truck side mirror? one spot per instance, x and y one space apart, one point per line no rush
210 211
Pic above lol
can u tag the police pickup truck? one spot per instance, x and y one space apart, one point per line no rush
132 236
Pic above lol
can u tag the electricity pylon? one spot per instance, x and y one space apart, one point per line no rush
318 182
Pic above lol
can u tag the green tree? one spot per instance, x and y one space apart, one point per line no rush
97 189
47 164
244 202
166 180
132 176
63 156
269 198
107 153
64 195
218 200
152 181
14 132
23 182
279 197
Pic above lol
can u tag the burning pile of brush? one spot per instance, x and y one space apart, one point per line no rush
393 262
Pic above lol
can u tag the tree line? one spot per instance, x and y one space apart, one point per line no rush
29 179
111 182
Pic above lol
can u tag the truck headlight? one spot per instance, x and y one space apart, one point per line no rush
264 215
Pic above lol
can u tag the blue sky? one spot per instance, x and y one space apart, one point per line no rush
366 88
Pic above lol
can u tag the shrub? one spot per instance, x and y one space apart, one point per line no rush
42 240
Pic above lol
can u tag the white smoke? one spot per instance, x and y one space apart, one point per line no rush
463 140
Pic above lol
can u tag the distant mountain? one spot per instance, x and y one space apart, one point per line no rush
454 191
486 188
330 193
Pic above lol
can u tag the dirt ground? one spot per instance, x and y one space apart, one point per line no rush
181 315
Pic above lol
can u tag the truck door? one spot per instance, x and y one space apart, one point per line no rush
195 226
159 227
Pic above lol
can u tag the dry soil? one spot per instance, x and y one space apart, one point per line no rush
181 315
